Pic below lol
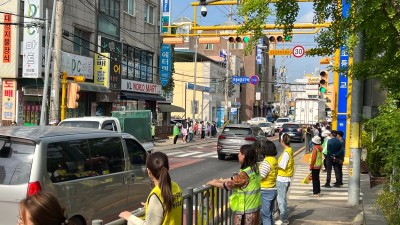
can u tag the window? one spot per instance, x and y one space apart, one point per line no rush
148 13
109 17
81 42
129 7
209 46
137 154
107 155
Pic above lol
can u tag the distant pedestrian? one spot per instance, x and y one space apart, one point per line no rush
315 163
213 129
190 133
208 129
164 203
203 129
245 200
340 156
42 209
175 132
184 131
195 128
153 131
333 147
325 138
285 172
268 172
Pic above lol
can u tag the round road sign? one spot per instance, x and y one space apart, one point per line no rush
298 51
254 79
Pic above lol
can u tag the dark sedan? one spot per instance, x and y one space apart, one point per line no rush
235 136
294 130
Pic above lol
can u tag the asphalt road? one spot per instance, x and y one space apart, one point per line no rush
194 171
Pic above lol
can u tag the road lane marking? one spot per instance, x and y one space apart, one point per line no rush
206 154
188 154
174 153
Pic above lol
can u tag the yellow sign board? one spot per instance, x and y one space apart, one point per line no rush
280 52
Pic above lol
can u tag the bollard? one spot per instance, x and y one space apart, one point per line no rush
97 222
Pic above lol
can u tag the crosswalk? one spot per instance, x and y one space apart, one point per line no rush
194 154
300 191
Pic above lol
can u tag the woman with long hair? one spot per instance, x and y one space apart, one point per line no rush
42 208
245 200
285 172
268 172
164 203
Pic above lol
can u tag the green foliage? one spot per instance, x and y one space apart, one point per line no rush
384 149
388 202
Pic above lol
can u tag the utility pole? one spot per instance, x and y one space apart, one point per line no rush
355 128
49 44
194 105
55 90
228 58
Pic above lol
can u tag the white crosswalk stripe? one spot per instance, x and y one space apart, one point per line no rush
195 154
300 191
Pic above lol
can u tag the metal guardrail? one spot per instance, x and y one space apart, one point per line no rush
205 205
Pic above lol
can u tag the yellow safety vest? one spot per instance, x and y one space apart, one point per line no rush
318 160
270 180
175 215
289 171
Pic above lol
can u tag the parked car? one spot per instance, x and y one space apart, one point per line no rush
234 136
280 121
94 173
257 120
268 128
294 130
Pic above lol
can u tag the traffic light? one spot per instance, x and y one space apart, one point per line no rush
323 81
239 39
202 2
280 38
73 95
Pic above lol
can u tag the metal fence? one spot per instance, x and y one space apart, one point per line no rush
205 205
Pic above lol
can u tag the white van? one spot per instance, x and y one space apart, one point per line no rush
100 122
93 173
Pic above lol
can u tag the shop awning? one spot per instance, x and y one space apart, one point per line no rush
141 96
93 87
170 108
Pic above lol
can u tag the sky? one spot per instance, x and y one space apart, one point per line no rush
296 67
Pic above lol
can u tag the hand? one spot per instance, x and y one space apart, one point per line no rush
125 215
212 182
143 204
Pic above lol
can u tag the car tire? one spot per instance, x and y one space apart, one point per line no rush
221 156
77 221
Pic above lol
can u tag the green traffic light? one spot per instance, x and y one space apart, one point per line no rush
288 38
322 90
246 39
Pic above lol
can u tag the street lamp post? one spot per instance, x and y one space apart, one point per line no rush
194 106
227 81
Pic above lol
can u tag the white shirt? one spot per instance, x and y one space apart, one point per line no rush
154 215
283 164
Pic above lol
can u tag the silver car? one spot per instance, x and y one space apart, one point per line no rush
94 173
268 128
234 136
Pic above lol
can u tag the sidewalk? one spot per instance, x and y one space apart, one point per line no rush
331 208
167 144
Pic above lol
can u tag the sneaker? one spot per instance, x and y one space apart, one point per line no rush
327 185
337 185
278 222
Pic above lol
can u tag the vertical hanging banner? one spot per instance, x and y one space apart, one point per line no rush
166 16
115 49
9 47
259 56
32 44
8 99
102 69
343 80
165 64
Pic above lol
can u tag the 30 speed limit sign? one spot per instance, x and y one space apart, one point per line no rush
298 51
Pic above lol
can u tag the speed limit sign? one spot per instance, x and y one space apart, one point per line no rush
298 51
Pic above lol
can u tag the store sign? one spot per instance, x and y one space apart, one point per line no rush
101 69
7 38
115 49
32 44
77 65
131 85
9 46
166 15
8 99
165 64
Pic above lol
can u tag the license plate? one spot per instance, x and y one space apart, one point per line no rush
291 134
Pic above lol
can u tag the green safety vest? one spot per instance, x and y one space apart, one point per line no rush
318 160
248 199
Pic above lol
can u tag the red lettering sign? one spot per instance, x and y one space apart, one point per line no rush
7 38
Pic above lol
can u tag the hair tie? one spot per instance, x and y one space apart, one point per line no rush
66 221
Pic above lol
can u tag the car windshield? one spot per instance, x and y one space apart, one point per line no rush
16 162
282 120
86 124
236 131
289 127
264 125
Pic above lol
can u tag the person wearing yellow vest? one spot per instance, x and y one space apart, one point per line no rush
285 172
315 162
268 172
245 200
164 203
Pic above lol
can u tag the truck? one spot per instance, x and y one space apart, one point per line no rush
309 111
136 123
